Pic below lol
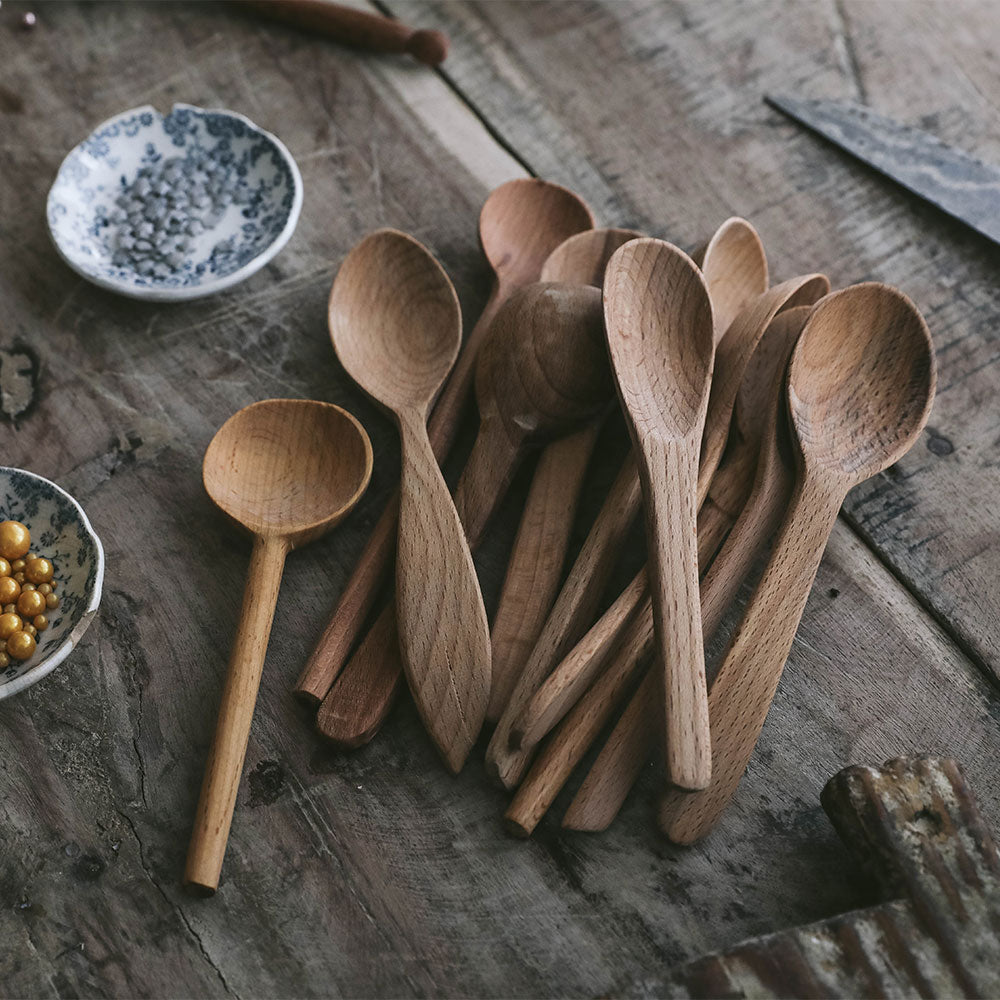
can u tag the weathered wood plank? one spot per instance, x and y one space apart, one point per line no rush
372 873
654 113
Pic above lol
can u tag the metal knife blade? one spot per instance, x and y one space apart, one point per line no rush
964 187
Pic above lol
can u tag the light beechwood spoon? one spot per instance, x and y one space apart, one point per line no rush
542 371
577 602
397 327
287 470
760 423
860 387
520 224
536 559
659 327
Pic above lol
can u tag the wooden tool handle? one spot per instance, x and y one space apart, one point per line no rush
372 568
569 742
443 634
745 684
232 731
565 685
536 560
356 27
632 741
487 474
363 695
669 472
572 613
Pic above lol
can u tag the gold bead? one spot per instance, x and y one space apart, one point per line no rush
21 645
15 540
10 590
31 630
45 588
39 570
30 603
10 609
17 566
4 567
40 622
20 577
9 624
51 601
27 586
4 659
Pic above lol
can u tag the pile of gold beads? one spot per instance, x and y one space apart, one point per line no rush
27 591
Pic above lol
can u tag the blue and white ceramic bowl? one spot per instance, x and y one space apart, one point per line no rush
177 206
61 532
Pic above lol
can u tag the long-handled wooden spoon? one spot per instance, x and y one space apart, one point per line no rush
761 427
536 559
396 327
735 270
573 611
860 387
572 675
659 328
287 470
521 223
542 371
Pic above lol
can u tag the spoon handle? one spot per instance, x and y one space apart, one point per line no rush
748 677
569 618
633 739
232 731
444 636
536 561
372 568
669 473
487 474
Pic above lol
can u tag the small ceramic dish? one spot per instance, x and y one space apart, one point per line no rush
177 206
61 532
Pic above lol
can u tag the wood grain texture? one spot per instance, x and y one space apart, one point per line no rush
376 873
396 326
760 429
860 387
286 470
536 560
520 223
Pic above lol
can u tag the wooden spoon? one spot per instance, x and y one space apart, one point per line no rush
542 372
526 390
397 327
521 223
860 387
735 269
577 602
287 470
539 551
659 327
761 426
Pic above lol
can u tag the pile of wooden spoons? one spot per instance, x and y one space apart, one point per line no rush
753 410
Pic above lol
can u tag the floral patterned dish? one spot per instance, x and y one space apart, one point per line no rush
176 206
61 532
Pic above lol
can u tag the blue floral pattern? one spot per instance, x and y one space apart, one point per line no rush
261 195
61 532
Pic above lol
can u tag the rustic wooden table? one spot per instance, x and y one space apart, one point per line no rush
375 873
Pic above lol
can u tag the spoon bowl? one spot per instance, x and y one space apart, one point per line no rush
659 334
583 258
288 467
735 268
523 221
395 320
861 381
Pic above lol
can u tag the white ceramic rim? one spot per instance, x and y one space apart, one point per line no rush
45 666
211 287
